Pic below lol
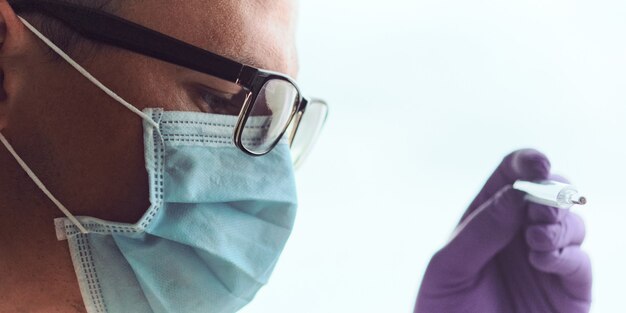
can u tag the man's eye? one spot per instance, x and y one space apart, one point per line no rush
220 104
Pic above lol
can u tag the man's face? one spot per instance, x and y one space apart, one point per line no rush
88 148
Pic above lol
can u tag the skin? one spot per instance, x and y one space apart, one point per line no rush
86 147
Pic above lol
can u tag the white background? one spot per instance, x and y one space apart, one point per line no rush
427 96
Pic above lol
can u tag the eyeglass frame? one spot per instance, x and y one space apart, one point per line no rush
116 31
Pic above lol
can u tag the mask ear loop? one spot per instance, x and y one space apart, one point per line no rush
102 87
87 75
41 186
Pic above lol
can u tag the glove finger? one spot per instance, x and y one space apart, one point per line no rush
549 237
571 264
538 213
527 164
481 236
559 178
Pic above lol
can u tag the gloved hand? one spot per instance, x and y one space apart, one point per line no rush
512 256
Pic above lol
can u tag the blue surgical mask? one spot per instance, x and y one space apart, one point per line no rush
217 223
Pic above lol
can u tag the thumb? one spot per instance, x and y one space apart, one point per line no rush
485 232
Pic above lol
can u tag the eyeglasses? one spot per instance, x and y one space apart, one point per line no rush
271 96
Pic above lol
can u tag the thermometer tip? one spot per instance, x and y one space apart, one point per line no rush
581 201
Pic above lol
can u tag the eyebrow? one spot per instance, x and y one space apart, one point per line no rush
255 61
250 60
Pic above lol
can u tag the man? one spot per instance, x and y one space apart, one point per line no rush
203 232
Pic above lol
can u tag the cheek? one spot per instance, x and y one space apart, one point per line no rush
71 129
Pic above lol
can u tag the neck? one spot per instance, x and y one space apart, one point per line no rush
36 269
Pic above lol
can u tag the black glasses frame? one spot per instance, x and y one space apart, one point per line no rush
116 31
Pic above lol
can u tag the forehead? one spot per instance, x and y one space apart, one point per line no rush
260 33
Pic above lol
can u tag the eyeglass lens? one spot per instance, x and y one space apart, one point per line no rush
269 115
311 124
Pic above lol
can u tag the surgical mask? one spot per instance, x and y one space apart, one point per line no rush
217 223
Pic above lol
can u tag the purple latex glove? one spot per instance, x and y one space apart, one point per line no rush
513 256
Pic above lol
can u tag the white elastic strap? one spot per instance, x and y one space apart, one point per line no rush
465 222
41 186
84 72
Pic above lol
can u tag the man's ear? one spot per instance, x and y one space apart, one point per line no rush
12 42
11 28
